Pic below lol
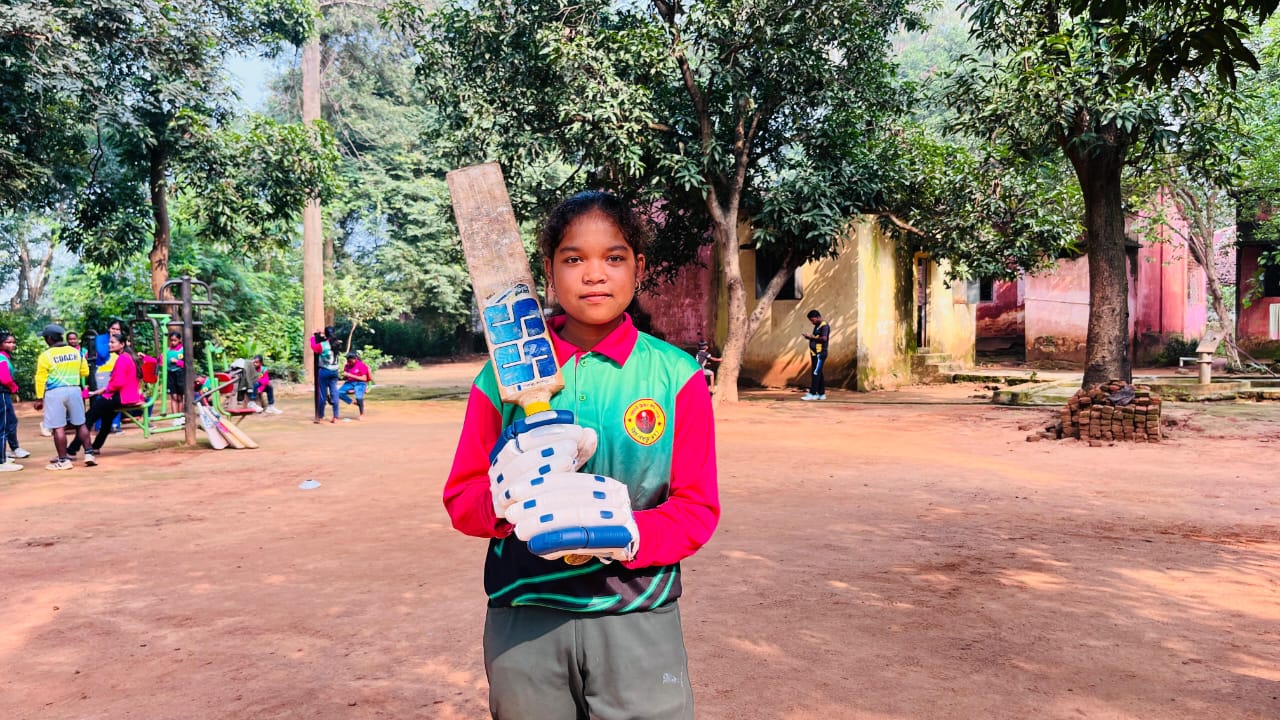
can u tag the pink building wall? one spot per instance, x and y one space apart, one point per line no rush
1253 323
1057 314
680 310
1004 315
1171 298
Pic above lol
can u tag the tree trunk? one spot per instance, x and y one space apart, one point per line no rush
159 256
1200 243
312 231
735 342
1107 350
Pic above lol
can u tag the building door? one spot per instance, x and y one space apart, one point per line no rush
922 302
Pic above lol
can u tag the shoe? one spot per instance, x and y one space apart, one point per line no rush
346 419
116 429
273 410
90 459
180 422
45 431
823 396
20 453
809 396
10 467
254 407
62 464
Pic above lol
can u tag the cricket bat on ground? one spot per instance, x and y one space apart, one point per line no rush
234 432
210 426
515 330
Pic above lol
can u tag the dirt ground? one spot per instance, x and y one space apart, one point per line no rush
887 557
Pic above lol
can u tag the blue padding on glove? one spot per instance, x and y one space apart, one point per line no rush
547 417
580 538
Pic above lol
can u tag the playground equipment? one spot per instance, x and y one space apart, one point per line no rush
204 408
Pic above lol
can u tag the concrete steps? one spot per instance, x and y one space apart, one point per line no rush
929 368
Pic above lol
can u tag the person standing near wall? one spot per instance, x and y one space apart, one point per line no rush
819 344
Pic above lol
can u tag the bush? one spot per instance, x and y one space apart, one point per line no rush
1175 348
414 338
25 327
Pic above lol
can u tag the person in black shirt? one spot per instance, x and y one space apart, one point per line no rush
819 342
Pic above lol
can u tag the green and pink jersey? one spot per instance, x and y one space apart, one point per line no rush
651 408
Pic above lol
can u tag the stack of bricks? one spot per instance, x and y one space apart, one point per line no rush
1093 416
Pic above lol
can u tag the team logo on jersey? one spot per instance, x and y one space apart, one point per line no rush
645 421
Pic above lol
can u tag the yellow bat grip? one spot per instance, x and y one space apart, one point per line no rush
536 407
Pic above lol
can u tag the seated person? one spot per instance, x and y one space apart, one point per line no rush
260 385
703 357
356 378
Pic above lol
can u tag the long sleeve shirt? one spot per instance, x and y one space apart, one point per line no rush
124 381
7 383
652 410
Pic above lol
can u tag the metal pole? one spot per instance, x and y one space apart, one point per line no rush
188 339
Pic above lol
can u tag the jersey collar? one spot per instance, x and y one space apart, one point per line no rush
616 346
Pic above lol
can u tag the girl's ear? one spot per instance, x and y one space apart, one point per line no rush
639 268
546 270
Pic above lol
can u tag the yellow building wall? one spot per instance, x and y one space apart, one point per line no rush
884 310
777 356
953 321
867 293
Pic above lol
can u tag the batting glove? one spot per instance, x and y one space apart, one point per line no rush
545 442
576 513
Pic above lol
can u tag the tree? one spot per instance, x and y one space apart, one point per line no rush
157 90
359 300
1053 79
715 115
32 248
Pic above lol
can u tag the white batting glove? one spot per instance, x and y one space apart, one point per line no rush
542 443
574 513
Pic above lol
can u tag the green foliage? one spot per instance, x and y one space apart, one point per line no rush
24 326
412 365
1175 348
416 338
702 107
391 216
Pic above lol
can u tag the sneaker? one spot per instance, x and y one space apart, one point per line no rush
116 429
90 459
10 467
273 410
180 422
20 453
823 396
254 407
45 431
346 419
809 396
60 464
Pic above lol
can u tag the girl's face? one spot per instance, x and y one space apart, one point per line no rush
257 364
115 345
73 340
114 328
9 345
174 341
594 273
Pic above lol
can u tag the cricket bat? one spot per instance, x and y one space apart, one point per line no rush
234 432
210 426
515 329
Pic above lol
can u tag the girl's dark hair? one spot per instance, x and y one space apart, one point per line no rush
126 348
259 359
6 335
175 334
634 229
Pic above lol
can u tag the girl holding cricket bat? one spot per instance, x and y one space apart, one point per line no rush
596 634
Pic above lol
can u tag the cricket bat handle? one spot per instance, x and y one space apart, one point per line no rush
580 538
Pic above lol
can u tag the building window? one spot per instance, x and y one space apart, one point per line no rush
986 289
765 269
1271 281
